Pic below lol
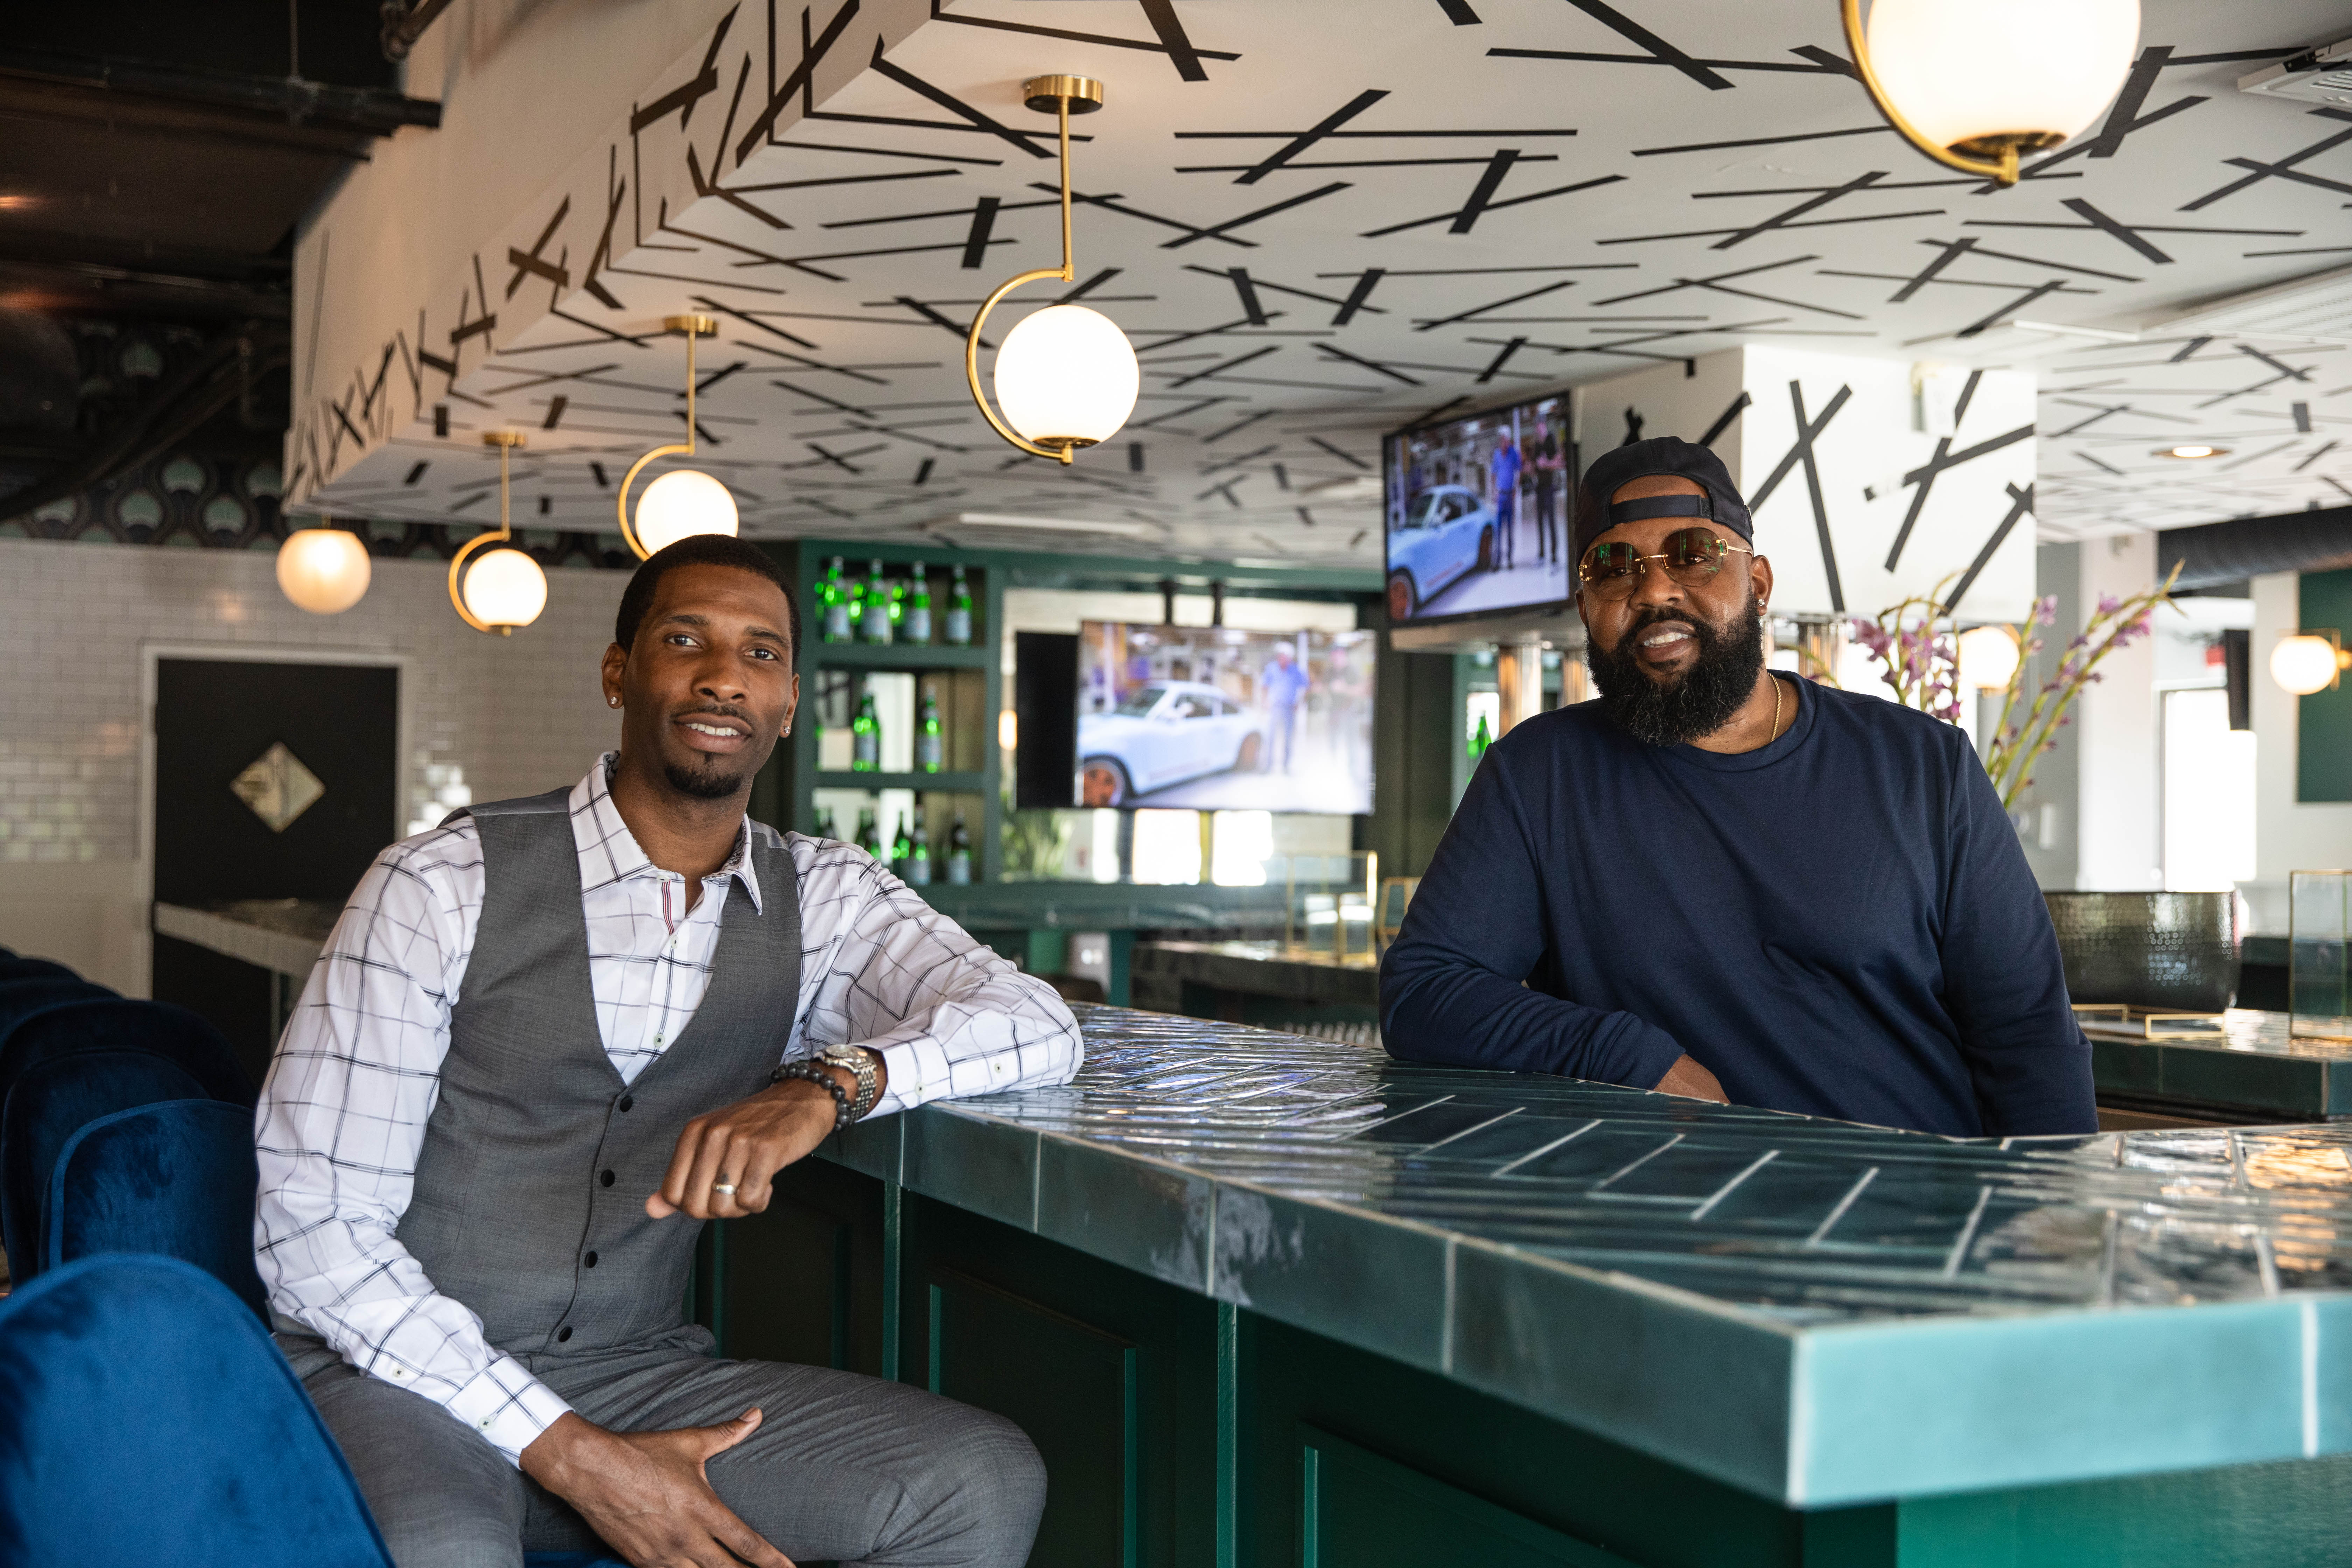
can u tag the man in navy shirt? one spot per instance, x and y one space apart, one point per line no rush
1721 882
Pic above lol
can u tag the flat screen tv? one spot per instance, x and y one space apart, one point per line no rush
1476 514
1213 718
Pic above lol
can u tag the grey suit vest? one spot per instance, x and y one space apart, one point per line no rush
528 1204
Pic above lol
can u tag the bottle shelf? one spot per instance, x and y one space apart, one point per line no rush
953 783
895 655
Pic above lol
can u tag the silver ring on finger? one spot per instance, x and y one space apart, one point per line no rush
725 1189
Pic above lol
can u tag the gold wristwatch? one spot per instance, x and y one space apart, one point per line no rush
859 1062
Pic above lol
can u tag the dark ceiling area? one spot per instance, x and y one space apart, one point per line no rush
155 162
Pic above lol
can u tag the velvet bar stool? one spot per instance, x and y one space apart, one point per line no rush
121 1022
50 1102
176 1178
145 1418
20 997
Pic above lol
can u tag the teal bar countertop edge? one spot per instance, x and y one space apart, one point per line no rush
1819 1312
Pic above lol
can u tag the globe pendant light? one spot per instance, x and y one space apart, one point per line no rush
1973 86
506 589
1066 376
2306 663
323 570
683 501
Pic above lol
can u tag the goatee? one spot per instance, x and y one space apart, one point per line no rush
705 782
1698 702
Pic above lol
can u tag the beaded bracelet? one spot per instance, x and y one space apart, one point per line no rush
843 1115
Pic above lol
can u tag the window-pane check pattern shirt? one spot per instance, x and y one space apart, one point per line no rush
344 1112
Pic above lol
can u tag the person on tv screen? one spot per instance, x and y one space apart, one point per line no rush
1550 463
1282 683
1719 881
1504 466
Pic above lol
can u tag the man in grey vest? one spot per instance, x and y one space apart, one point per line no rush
546 1041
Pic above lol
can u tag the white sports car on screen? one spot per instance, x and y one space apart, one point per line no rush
1447 533
1163 735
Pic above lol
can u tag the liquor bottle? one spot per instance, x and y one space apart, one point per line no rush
878 598
917 628
825 822
865 738
836 596
902 853
959 612
897 609
852 608
929 745
1481 741
917 872
868 838
959 854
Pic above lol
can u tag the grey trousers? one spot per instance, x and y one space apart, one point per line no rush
842 1468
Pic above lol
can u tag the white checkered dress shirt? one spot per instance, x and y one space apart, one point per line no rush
344 1112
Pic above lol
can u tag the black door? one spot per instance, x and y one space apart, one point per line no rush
272 781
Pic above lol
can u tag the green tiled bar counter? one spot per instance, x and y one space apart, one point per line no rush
2245 1067
1268 1301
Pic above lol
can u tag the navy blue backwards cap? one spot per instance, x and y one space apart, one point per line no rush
1660 454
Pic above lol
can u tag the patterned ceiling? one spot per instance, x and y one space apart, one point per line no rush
1320 219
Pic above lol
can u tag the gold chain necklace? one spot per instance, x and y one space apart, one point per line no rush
1776 708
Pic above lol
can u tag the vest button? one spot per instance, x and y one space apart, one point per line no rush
562 1334
607 1178
628 1101
591 1260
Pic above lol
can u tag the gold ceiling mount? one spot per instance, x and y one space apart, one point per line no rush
516 591
1066 374
703 506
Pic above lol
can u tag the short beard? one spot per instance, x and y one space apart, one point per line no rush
703 783
1698 702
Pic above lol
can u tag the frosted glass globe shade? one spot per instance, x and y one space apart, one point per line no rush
506 588
1992 66
1067 373
1988 657
2304 665
323 570
681 502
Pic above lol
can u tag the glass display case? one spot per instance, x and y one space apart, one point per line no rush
2319 982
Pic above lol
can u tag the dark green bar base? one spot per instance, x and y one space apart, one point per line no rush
1179 1430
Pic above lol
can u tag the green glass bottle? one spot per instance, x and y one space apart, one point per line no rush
959 627
825 822
902 853
917 628
917 871
852 608
930 746
959 854
865 738
1481 741
868 838
834 599
879 599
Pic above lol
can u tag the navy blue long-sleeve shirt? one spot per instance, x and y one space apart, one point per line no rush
1840 923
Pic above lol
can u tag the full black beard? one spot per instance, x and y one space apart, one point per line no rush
702 784
1698 704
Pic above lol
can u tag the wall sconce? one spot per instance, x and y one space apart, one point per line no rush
2309 662
1974 86
683 501
323 570
506 588
1066 376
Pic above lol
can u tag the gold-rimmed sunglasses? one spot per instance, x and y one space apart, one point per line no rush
1693 556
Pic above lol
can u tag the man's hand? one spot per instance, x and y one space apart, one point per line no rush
648 1493
742 1145
1687 1079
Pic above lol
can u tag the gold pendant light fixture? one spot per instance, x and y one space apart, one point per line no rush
506 588
1066 376
1974 86
684 501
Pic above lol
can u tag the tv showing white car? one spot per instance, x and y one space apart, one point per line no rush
1477 514
1217 717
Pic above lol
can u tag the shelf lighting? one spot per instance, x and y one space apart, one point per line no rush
2309 662
685 500
1975 86
506 589
1066 376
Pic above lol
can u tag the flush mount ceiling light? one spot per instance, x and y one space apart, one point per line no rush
1066 376
506 589
323 570
683 501
1974 86
2190 452
2309 662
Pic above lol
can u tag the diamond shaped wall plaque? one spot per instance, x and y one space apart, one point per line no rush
277 786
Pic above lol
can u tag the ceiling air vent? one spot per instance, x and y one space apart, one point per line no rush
2320 75
998 531
2315 308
